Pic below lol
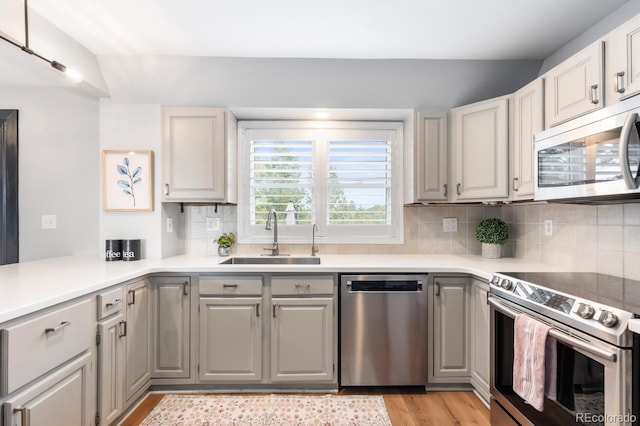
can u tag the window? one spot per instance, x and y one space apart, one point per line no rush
343 176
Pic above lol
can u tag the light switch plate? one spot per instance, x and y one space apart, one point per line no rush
169 224
213 224
548 227
49 221
450 224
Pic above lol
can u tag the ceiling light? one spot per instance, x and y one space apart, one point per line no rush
73 75
321 115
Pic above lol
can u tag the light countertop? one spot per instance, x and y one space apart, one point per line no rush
30 286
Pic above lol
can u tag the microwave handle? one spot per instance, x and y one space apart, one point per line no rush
629 124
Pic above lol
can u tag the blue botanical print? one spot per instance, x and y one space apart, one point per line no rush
133 178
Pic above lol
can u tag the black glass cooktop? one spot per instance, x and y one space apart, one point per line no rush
617 292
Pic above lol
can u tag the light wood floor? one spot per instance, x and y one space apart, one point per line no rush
406 406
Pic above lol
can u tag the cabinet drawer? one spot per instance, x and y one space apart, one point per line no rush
35 346
296 285
110 302
231 285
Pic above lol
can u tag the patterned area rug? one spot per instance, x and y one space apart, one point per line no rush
260 410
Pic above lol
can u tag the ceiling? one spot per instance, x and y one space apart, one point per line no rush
411 29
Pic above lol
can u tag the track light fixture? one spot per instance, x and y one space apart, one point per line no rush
73 75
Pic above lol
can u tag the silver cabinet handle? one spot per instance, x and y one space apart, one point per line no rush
619 82
166 189
257 309
437 288
593 94
122 329
629 124
185 288
458 189
25 413
229 285
444 190
515 182
110 305
274 310
58 327
131 297
303 286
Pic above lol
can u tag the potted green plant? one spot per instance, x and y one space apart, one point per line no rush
492 233
225 241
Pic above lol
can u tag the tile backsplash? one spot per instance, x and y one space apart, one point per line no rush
604 239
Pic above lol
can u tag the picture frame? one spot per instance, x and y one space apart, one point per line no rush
127 180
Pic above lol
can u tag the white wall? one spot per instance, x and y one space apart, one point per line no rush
59 169
135 127
597 31
328 83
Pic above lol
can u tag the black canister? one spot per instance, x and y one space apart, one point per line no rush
131 250
113 250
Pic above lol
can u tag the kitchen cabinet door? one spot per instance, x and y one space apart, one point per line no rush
171 327
623 61
194 154
450 330
138 339
230 339
111 370
63 398
480 148
302 340
480 338
431 159
576 86
528 120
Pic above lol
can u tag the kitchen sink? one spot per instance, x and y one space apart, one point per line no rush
268 260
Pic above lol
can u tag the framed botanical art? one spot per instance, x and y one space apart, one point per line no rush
127 180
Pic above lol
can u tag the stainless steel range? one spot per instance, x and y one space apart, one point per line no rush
596 358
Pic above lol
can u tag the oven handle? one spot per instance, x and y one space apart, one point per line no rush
629 179
558 335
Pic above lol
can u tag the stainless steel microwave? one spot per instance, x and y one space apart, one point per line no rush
591 159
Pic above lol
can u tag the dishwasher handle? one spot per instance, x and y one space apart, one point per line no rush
385 286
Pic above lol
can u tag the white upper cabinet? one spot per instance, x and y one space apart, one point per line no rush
480 145
197 155
623 61
575 87
527 121
431 162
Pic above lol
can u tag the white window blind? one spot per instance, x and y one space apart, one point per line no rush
359 183
343 176
282 177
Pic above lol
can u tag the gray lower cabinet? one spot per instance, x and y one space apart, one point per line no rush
450 337
111 363
63 398
171 319
138 339
480 335
302 339
230 339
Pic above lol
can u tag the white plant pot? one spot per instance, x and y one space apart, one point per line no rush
224 251
491 251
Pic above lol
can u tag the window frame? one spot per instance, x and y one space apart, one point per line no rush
333 234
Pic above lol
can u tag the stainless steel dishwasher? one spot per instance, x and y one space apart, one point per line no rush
383 330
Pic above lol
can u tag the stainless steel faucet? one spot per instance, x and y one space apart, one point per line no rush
275 249
314 248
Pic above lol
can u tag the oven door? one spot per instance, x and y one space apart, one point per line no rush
593 378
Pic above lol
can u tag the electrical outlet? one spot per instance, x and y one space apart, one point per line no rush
450 224
49 221
548 227
169 224
213 224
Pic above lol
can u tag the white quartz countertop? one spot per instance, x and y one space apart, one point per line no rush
30 286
